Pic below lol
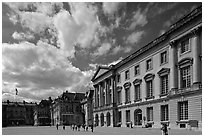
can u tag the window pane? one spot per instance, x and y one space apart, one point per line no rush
149 88
185 77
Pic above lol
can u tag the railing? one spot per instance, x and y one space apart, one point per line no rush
194 87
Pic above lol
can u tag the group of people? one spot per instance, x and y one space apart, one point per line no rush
76 127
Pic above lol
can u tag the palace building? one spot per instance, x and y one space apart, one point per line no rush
159 83
67 109
17 113
42 114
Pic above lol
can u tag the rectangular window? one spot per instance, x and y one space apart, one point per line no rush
164 113
119 97
150 114
137 92
183 110
118 78
137 70
164 84
127 74
163 57
149 64
185 77
185 46
149 88
127 115
127 95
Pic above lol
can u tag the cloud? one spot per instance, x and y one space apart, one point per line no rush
139 19
63 28
175 17
78 28
119 49
161 8
23 36
104 49
111 8
38 71
135 37
115 62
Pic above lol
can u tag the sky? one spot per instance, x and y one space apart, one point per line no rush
48 48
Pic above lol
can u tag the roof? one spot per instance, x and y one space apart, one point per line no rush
101 70
72 96
18 104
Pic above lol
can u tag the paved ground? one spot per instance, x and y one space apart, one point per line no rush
97 131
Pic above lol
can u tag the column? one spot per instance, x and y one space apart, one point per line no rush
173 60
100 97
106 88
195 44
95 96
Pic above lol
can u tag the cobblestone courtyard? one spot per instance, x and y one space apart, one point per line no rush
97 131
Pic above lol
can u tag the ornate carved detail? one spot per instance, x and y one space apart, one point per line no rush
137 81
149 76
172 43
127 85
184 62
195 31
163 71
119 88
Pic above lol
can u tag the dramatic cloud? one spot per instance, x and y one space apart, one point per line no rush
23 36
78 28
35 69
119 48
103 50
135 37
112 7
139 19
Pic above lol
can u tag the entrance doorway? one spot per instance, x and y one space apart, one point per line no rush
108 119
138 117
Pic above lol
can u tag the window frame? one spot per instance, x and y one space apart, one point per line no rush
128 115
181 46
165 89
127 74
138 73
147 64
150 114
161 57
183 113
187 78
165 115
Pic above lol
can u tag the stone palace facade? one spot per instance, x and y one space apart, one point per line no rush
159 83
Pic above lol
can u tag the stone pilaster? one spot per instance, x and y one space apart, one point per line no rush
195 45
173 60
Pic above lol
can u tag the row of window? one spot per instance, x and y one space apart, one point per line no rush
164 113
185 47
149 66
164 83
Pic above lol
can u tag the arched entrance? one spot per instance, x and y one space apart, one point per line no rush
96 119
102 119
138 117
108 119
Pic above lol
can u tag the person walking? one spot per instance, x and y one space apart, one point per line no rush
164 129
57 126
92 128
63 127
